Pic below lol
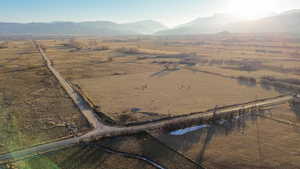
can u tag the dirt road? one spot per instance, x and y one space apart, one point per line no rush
77 99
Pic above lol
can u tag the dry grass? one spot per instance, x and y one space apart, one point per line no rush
172 93
32 103
151 77
240 149
113 77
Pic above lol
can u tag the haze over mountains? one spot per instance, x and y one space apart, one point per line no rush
82 28
201 25
287 22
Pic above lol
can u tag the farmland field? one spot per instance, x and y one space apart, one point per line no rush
138 78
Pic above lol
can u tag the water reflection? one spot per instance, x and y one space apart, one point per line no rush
188 130
204 135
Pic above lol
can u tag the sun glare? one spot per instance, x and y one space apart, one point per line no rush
252 9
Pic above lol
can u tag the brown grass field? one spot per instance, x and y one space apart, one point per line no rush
133 79
139 78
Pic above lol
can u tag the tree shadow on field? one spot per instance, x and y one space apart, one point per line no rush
83 156
203 137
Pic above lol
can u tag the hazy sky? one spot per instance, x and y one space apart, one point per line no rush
169 12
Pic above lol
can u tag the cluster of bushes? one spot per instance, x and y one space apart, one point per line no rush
81 45
282 69
290 81
129 50
100 48
178 56
4 45
73 43
249 81
249 67
243 65
162 62
94 45
171 67
290 85
243 62
234 62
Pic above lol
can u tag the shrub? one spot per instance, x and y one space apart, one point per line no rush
73 43
101 48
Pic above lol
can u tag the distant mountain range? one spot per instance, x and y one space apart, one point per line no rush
287 22
212 24
82 28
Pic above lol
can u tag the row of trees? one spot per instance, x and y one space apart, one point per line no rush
80 45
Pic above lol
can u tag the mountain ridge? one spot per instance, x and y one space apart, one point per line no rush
81 28
285 22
